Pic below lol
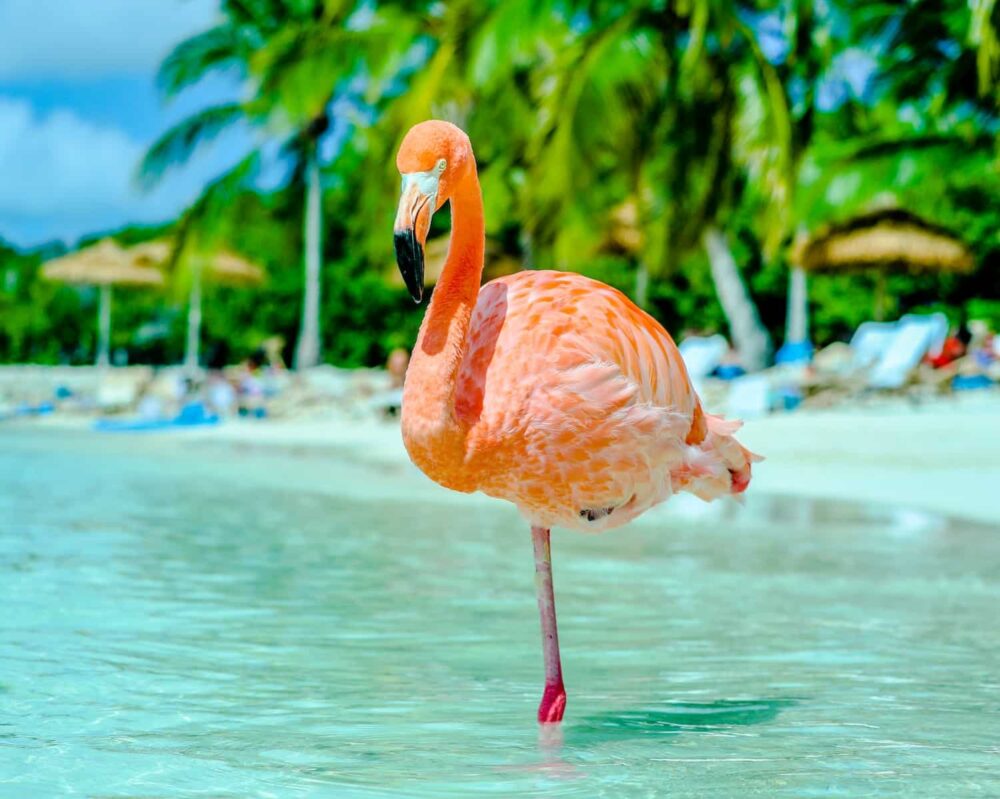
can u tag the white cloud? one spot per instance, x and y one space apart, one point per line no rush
60 162
71 39
62 176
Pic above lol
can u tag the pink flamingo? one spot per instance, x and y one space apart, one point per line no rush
547 389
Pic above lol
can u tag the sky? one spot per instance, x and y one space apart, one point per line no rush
78 107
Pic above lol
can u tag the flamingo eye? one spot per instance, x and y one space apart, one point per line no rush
440 165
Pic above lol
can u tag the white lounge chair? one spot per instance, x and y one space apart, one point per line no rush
870 341
703 355
914 337
937 323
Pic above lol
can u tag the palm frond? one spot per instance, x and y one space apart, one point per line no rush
589 120
510 38
264 15
219 194
180 141
217 48
299 68
700 16
984 35
902 144
779 149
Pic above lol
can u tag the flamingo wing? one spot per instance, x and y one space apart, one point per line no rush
577 402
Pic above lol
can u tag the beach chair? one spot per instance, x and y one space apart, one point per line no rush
870 342
913 338
937 325
701 355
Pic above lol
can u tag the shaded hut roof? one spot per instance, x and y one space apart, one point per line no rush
229 267
224 266
884 238
624 234
104 263
152 253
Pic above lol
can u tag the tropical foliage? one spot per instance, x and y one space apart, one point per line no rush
673 149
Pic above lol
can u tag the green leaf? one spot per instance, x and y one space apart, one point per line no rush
180 141
217 48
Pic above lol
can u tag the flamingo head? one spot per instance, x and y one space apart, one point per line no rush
433 159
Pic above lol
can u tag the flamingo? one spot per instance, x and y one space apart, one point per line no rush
547 389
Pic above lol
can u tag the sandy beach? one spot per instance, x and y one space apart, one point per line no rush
941 456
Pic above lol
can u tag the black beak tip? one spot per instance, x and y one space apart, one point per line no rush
410 259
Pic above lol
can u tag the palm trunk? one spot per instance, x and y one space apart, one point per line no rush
749 336
308 347
880 294
104 327
642 285
527 242
194 323
797 321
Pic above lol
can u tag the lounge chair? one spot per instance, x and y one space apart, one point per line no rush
702 356
870 342
883 356
914 337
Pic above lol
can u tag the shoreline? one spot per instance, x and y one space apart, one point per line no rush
941 456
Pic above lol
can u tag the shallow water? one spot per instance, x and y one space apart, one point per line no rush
210 621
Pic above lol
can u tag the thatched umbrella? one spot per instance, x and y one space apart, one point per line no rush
222 266
883 240
104 264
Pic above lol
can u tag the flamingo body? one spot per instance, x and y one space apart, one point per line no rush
576 403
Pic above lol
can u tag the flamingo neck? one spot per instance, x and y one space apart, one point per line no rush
429 395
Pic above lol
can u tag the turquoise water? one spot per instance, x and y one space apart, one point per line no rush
202 620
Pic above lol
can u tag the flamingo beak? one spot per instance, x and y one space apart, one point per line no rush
413 221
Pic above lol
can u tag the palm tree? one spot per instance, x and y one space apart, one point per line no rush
198 250
292 59
925 136
471 64
318 50
665 87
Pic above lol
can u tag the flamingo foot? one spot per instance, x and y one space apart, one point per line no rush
553 705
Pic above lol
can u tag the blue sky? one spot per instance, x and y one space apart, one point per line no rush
78 107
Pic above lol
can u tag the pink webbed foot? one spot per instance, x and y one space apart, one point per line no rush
553 704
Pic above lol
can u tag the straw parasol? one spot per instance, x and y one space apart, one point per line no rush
104 264
234 270
222 266
624 233
883 240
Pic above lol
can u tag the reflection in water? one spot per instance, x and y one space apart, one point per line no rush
672 718
556 742
192 623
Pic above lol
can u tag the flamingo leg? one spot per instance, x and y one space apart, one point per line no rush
554 699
